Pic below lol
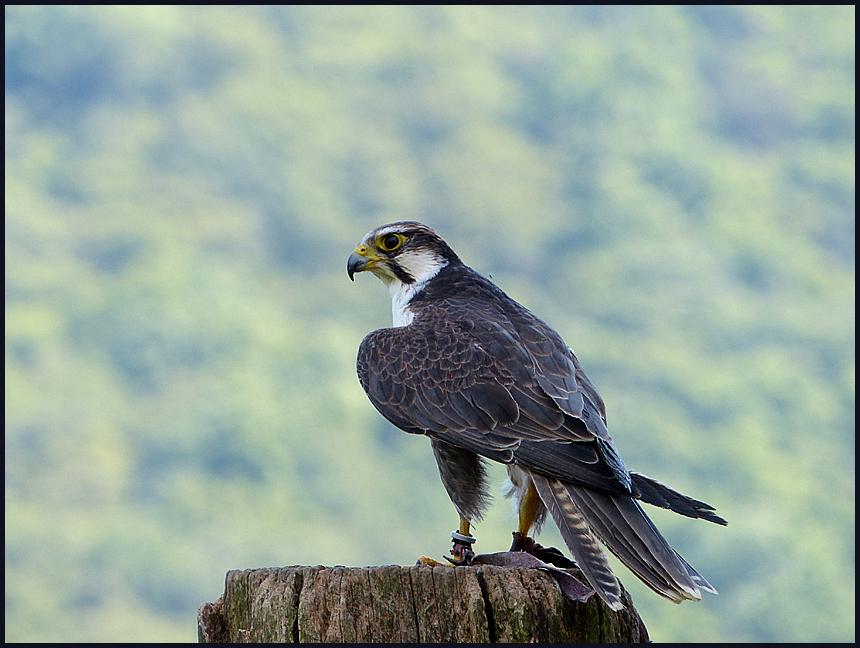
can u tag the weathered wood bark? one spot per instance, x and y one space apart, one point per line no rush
408 605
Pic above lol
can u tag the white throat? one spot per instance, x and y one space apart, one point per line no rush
401 295
423 268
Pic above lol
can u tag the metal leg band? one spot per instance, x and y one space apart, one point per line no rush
462 539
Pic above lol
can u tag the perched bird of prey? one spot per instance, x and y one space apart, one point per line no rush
483 377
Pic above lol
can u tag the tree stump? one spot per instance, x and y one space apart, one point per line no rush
481 603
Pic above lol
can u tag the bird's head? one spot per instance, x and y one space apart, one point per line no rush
405 253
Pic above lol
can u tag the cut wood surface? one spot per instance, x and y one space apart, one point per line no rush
408 605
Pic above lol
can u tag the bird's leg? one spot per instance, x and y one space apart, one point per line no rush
462 549
529 506
465 528
463 541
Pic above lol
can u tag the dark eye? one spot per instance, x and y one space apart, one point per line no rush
390 242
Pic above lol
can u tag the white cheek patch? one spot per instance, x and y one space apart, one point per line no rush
422 265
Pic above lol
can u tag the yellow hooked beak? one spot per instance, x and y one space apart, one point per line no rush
363 258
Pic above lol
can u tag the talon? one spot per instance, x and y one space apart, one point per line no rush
461 560
522 542
462 551
425 560
549 555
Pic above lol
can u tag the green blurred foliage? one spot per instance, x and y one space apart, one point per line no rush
671 187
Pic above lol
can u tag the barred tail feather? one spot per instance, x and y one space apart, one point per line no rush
584 515
579 538
623 527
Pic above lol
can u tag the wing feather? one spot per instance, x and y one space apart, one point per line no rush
506 386
476 378
659 494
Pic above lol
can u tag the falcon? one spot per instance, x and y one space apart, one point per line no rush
485 378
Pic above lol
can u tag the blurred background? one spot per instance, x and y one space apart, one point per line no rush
671 188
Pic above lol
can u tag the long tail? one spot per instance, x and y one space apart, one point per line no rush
583 515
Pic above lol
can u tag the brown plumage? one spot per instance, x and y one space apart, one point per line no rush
482 376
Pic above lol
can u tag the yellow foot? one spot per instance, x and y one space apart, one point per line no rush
424 560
